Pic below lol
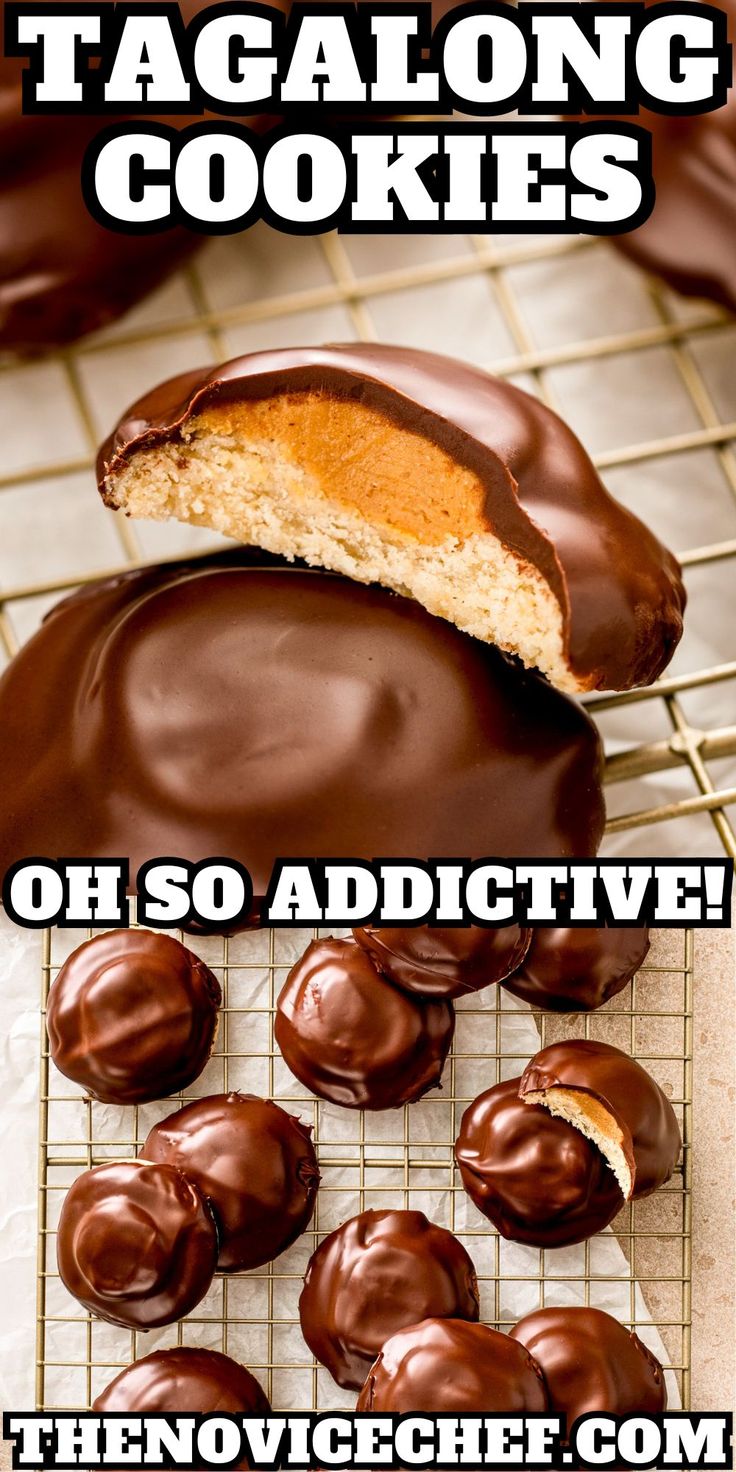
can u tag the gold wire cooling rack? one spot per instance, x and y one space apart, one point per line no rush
699 746
364 1159
401 1158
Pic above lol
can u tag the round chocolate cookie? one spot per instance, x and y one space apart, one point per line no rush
132 1016
62 274
226 708
354 1038
610 1097
449 961
136 1243
577 969
688 238
181 1380
536 1177
450 1365
590 1362
254 1163
378 1273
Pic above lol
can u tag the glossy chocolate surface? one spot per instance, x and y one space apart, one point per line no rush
571 969
353 1037
590 1362
447 961
253 1162
378 1273
132 1016
181 1380
536 1177
230 708
619 590
137 1243
650 1134
61 274
689 236
450 1365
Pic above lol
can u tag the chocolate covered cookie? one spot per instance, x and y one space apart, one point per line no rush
450 961
354 1038
62 274
181 1380
615 1102
132 1016
535 1176
688 238
450 1365
591 1363
424 474
254 1163
136 1243
378 1273
577 969
228 708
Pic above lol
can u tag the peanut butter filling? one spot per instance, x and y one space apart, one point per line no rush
360 459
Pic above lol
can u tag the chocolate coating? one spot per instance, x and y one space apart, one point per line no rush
181 1380
650 1134
352 1037
253 1162
226 708
61 274
571 969
590 1362
619 590
132 1016
136 1243
536 1177
444 961
689 236
376 1274
450 1365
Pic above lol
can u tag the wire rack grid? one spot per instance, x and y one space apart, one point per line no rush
402 1158
670 747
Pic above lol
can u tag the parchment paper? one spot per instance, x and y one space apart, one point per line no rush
510 1031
